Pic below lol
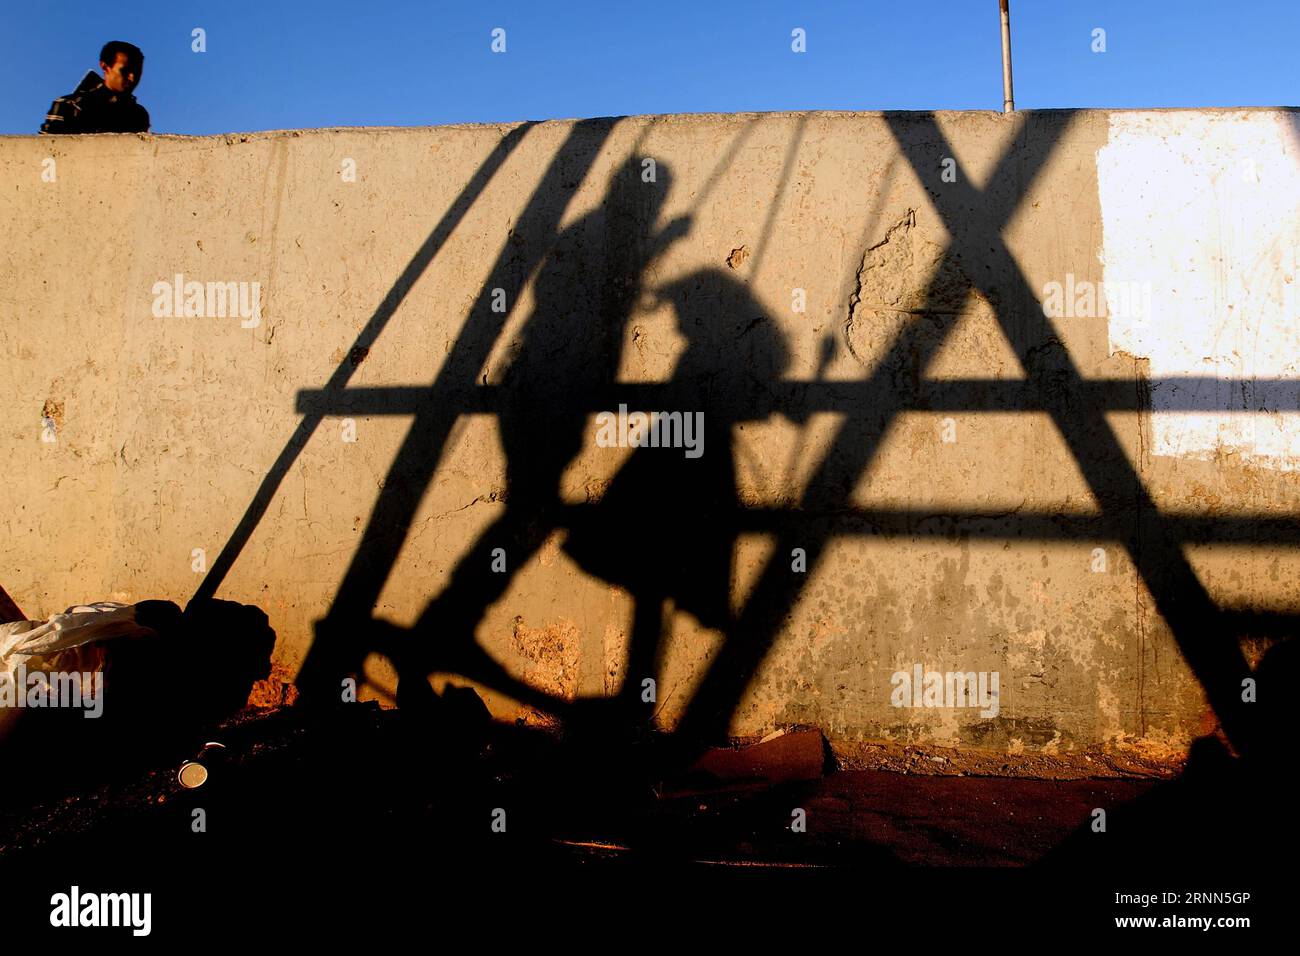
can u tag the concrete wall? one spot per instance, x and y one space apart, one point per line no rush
967 496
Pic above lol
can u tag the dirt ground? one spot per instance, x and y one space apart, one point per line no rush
363 811
916 805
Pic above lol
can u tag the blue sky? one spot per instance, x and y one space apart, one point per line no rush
277 64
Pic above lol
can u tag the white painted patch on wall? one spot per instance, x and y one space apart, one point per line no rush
1206 208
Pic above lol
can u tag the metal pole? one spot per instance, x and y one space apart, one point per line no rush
1008 99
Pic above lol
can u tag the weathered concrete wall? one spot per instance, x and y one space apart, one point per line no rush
982 527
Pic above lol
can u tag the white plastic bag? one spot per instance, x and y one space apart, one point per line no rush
68 651
21 641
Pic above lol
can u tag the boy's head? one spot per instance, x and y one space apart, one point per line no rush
122 64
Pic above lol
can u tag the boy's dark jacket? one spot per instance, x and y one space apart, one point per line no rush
93 108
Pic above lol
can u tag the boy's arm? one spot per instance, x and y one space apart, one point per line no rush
64 116
65 112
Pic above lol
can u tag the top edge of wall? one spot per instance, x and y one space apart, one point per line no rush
665 118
